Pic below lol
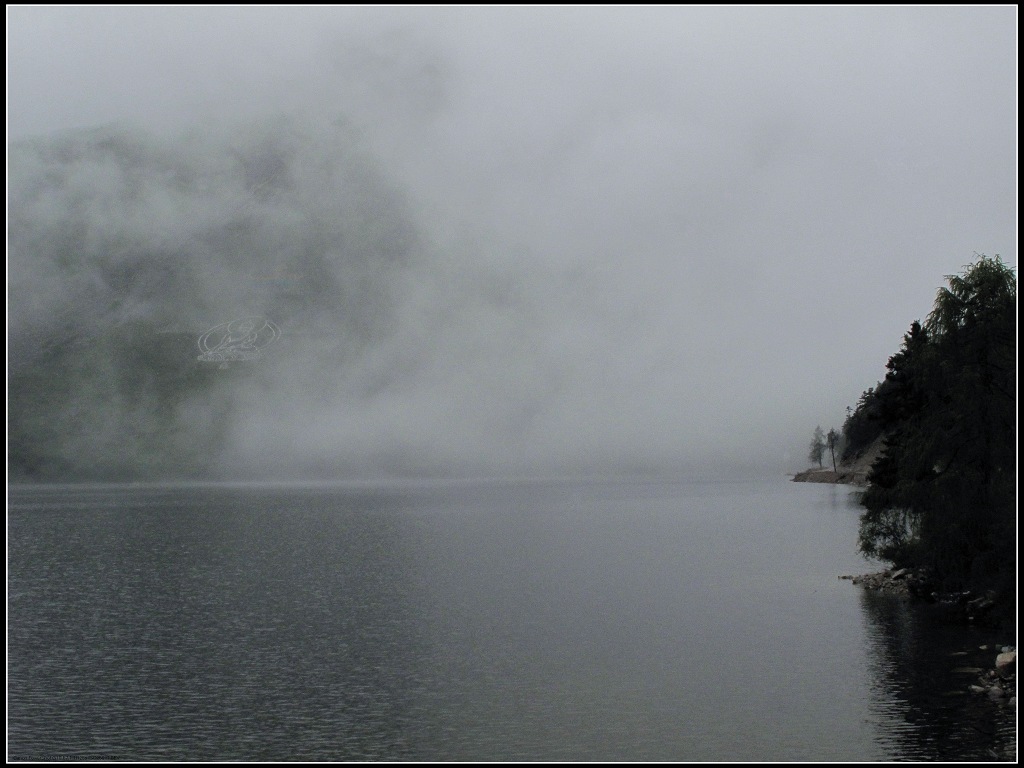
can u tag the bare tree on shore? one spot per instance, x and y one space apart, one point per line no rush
832 441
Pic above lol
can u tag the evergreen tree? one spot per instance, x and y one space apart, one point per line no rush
943 494
862 426
817 450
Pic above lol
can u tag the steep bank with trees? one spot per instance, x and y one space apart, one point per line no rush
941 494
851 469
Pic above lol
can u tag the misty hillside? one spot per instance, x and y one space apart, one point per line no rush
124 248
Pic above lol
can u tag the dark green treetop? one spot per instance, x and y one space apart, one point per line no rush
943 494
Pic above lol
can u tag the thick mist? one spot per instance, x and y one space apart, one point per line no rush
395 356
495 242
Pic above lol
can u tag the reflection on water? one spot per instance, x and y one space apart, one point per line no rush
558 621
921 705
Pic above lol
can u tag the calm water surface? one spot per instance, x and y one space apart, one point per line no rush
492 621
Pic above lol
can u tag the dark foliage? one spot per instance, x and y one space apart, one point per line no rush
942 496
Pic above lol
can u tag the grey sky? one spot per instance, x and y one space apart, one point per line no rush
666 234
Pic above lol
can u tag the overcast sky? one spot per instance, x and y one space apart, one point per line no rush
723 220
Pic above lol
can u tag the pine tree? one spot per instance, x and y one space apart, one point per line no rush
817 450
943 493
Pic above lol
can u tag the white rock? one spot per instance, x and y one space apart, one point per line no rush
1006 663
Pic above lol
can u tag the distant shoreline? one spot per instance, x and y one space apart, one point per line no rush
850 473
845 476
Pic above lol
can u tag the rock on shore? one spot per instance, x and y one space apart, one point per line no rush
897 581
1000 684
963 606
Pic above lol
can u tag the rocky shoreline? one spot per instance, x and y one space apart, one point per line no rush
844 476
999 682
853 472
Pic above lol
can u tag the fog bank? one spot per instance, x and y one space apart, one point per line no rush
511 241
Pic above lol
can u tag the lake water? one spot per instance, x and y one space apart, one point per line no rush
684 621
